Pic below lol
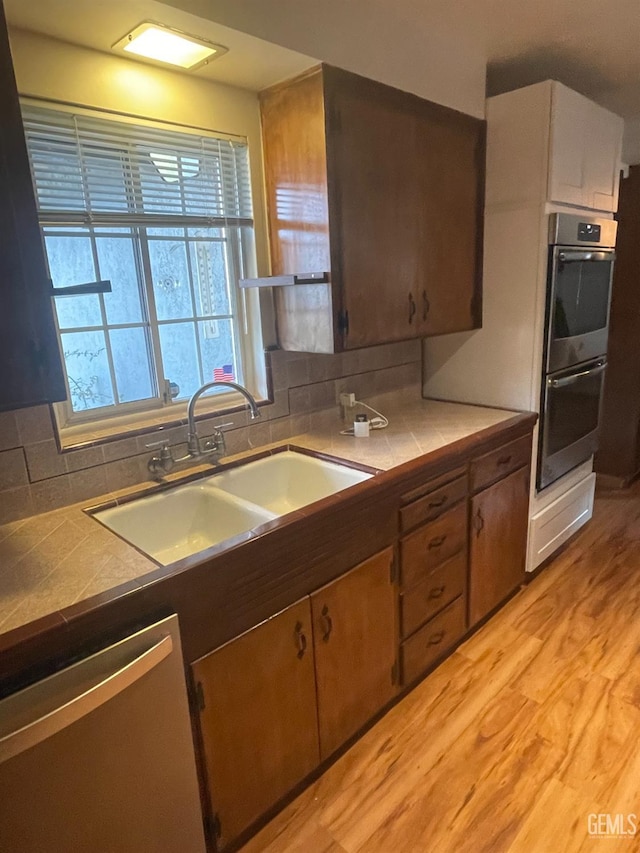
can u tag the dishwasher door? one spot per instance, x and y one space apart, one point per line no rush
99 758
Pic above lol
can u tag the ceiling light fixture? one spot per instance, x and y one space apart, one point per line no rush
163 44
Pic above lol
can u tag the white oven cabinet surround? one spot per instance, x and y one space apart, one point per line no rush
551 144
549 150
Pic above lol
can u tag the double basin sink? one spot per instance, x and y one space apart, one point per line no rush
189 518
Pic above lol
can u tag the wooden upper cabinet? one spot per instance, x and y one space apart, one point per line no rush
498 542
30 364
382 190
355 644
451 158
258 720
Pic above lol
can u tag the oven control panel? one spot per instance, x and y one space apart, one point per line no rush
589 232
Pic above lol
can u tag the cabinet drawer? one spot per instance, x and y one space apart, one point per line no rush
432 505
432 544
492 466
430 642
437 590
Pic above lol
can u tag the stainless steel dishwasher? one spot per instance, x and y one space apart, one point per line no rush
99 758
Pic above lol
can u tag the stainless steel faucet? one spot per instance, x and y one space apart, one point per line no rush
193 441
213 446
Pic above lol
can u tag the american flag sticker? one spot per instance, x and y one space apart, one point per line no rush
224 373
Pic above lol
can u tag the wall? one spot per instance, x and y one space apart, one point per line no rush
34 475
368 37
631 141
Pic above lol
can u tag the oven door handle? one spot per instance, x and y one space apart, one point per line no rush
586 256
569 380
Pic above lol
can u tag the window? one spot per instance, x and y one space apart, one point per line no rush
164 215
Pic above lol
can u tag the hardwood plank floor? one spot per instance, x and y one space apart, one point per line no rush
531 726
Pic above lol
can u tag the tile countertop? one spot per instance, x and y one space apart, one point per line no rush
53 560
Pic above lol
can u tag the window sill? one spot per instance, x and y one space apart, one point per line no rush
142 423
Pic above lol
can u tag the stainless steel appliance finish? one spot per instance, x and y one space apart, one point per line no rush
99 756
572 405
581 259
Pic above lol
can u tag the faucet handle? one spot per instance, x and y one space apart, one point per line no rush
163 462
164 444
222 426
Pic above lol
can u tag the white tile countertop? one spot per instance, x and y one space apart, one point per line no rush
56 559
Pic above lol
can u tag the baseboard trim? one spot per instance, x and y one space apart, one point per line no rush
609 482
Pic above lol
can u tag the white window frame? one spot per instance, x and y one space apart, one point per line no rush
74 427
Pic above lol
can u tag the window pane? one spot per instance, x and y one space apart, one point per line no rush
210 278
71 262
131 364
170 279
166 232
85 356
216 346
180 357
117 263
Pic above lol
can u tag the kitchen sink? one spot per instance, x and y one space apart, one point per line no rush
182 521
287 481
187 519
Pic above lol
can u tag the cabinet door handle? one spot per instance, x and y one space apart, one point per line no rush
301 640
426 305
504 460
440 502
437 591
412 308
478 521
436 542
327 624
436 639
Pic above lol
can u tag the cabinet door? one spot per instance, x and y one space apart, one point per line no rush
258 718
569 136
30 363
450 177
602 159
499 522
374 208
355 642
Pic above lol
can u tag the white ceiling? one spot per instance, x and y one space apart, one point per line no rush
591 45
251 63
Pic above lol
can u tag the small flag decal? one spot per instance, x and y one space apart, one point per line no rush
224 373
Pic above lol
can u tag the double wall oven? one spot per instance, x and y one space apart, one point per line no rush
581 258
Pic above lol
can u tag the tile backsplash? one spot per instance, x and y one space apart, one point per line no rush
36 477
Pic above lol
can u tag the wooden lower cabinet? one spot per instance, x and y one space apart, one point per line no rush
498 542
257 718
432 641
355 644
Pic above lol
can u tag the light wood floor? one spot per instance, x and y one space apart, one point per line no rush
530 727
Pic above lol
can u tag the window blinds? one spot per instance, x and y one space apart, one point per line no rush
93 171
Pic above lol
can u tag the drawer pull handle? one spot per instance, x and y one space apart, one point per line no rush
301 640
437 591
327 624
436 542
504 460
436 639
440 502
478 522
